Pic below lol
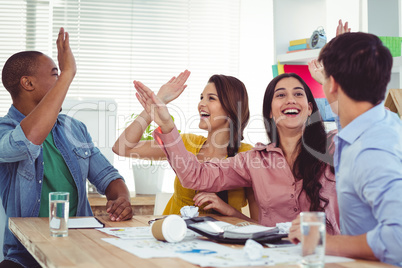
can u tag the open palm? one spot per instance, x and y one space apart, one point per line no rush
173 88
154 106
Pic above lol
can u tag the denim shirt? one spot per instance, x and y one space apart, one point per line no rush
21 172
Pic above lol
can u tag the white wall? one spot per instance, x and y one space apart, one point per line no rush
256 59
383 27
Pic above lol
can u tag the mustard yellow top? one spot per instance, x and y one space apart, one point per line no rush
184 197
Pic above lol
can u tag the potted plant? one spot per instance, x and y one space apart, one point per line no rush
148 174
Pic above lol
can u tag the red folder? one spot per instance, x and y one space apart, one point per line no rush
303 72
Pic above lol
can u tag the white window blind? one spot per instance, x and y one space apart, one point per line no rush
115 42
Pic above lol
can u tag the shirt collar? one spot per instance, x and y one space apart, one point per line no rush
269 148
361 123
15 114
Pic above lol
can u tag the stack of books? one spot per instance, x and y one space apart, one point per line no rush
299 45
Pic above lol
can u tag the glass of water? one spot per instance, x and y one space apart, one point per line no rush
58 213
312 225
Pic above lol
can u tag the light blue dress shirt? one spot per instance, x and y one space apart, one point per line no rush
368 168
21 172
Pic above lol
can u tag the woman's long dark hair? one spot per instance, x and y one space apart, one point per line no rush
233 97
313 157
232 94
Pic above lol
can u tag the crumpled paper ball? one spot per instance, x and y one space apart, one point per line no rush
253 250
188 212
284 227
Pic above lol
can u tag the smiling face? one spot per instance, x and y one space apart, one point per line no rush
290 107
213 116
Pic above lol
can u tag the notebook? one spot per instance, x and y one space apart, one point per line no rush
84 223
229 233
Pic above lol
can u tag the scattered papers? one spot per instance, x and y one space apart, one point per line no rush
143 232
207 253
129 232
86 222
140 242
203 253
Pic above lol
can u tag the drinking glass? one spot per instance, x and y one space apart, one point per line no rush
58 213
312 225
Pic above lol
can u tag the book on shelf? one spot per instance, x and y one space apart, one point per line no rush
275 70
299 42
297 47
292 51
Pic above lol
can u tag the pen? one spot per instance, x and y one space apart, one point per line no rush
103 225
151 221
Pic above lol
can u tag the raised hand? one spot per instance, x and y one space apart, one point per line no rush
64 54
317 71
173 88
341 29
154 107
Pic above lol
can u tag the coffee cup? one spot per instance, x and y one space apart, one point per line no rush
170 229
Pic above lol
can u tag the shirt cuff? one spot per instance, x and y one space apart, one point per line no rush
24 144
166 139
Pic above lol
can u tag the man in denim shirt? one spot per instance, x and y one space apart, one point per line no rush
43 151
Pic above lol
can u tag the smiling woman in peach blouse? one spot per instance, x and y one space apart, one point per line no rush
291 174
224 120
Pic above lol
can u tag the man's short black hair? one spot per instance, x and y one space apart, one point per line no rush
360 63
18 65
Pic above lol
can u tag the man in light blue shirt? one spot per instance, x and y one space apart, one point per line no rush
42 150
354 69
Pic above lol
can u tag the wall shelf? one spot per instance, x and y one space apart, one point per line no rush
382 18
301 57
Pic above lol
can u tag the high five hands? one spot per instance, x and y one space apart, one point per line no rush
171 90
155 106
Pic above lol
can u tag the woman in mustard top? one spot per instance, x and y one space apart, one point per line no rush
224 113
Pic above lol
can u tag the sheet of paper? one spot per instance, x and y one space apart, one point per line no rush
208 253
292 255
143 232
129 232
86 222
200 252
